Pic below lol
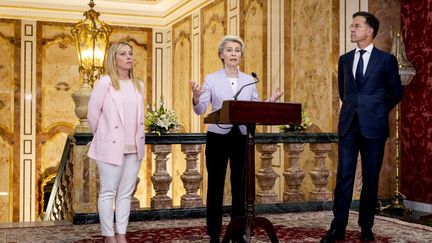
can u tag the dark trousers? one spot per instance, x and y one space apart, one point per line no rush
372 153
220 148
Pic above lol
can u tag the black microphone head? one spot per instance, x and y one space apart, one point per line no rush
254 75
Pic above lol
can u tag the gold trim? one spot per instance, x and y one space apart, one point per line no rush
106 14
41 194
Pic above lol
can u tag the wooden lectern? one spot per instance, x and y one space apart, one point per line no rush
251 113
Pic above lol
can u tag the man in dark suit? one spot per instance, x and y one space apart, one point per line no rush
369 88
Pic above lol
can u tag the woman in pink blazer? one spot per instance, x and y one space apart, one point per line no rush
116 116
225 142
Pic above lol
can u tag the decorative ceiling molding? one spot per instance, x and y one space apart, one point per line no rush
143 13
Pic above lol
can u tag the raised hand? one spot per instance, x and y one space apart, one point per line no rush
276 95
196 91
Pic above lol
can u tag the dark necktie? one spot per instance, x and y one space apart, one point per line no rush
359 70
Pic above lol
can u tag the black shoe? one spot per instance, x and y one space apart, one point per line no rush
333 235
366 235
214 239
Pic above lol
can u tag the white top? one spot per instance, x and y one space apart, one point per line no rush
233 82
130 107
366 57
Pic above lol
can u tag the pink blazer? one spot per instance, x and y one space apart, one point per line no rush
217 88
105 115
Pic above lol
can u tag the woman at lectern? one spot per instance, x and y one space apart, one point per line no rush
116 116
227 141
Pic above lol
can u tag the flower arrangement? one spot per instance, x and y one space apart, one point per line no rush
305 123
161 120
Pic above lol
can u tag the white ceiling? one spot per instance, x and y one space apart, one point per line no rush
150 13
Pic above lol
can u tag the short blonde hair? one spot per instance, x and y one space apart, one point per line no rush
111 66
230 38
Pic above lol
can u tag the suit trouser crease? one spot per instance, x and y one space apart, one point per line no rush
372 153
220 148
117 183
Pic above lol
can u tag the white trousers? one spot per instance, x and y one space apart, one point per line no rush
116 185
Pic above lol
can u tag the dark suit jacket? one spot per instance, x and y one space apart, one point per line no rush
379 92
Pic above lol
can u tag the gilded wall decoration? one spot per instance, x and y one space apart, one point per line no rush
5 185
6 80
181 74
311 49
9 103
214 26
254 35
59 80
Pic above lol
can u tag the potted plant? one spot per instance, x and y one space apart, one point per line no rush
304 125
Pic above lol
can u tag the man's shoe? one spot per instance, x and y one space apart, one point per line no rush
214 239
367 235
333 235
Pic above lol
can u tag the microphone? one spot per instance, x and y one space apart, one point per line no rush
239 91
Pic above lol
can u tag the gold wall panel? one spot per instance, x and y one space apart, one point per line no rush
254 32
57 78
311 54
181 74
311 50
6 156
9 117
214 27
7 49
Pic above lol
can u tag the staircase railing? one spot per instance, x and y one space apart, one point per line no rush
60 201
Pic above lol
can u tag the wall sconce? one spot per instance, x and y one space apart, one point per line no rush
91 40
406 72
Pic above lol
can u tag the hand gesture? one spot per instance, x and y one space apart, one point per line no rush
196 91
276 95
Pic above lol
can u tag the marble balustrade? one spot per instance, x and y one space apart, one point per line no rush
84 185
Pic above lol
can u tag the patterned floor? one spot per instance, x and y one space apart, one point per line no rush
306 227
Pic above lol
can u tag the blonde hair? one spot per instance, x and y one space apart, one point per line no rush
111 66
230 38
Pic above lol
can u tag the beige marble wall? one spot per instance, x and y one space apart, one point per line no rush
9 117
213 28
311 52
181 74
253 29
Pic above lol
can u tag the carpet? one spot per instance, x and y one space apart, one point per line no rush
290 227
